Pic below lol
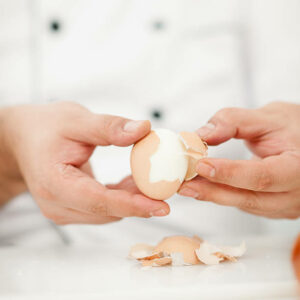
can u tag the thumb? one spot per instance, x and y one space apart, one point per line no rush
239 123
104 130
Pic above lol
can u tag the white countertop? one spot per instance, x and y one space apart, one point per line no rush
102 271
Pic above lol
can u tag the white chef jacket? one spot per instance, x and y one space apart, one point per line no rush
175 62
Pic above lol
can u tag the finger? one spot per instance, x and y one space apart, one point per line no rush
74 189
64 216
273 174
263 203
237 123
106 130
126 184
87 168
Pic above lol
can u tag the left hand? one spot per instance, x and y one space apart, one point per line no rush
269 184
49 147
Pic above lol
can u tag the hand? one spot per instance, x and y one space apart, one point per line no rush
52 144
269 184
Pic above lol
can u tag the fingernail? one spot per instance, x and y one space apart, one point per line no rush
206 130
158 213
132 126
206 170
189 193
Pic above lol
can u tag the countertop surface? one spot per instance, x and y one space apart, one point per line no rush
103 270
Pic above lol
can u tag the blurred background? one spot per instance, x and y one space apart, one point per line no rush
175 62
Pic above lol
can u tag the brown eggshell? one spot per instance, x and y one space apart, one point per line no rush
196 149
140 168
140 251
157 262
180 244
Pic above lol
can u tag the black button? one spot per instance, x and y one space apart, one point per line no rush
157 114
159 25
55 26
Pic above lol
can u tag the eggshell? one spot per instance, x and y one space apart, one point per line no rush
180 244
211 255
182 250
157 262
162 160
196 149
141 168
139 251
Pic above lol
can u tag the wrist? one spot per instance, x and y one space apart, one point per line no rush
11 180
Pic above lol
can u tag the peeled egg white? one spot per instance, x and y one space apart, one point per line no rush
162 160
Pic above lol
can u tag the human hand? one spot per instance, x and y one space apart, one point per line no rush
52 144
269 184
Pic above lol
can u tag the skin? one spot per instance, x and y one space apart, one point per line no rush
269 184
46 149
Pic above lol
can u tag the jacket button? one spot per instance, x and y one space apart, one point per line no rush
55 26
159 25
157 114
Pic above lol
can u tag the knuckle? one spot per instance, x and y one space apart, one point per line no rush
135 209
226 174
111 129
263 181
250 202
67 171
204 195
112 124
100 209
226 113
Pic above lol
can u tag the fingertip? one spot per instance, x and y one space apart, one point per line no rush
161 212
147 207
206 169
206 131
143 129
133 131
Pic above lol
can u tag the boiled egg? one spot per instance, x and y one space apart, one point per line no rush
162 160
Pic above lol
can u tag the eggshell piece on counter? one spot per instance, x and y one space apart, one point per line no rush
157 168
158 262
183 250
180 244
139 251
211 255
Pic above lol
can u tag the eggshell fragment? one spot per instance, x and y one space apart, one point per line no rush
193 142
139 251
206 254
180 244
197 238
195 149
182 250
211 255
234 251
153 256
158 262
